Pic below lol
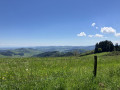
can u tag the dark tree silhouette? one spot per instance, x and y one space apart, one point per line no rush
96 47
116 47
106 46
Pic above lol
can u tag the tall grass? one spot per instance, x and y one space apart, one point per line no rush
60 73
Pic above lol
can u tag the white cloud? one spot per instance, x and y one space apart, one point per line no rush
96 27
90 35
98 35
93 24
81 34
117 34
108 30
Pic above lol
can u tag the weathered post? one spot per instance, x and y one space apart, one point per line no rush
95 66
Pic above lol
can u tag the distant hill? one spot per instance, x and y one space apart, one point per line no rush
20 52
43 51
54 54
63 51
63 48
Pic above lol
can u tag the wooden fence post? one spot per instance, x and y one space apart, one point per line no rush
95 66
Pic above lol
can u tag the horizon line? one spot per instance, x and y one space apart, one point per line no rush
47 46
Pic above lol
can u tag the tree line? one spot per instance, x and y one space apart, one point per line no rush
106 46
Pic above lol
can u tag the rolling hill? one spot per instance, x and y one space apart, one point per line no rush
43 51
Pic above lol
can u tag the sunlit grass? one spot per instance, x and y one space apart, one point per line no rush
60 73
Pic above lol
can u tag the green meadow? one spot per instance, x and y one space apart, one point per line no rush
60 73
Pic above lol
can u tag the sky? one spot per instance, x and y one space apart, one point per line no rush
58 22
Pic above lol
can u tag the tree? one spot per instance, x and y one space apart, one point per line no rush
96 47
116 47
106 46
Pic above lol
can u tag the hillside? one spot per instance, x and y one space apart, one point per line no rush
63 48
19 52
55 54
36 51
63 73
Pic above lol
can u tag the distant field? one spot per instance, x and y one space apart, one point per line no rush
60 73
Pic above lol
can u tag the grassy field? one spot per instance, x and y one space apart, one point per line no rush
60 73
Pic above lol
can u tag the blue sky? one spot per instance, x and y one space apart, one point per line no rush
58 22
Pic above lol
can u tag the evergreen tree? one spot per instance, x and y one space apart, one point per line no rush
116 47
96 47
106 46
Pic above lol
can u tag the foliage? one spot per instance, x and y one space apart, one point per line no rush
99 50
106 46
96 47
117 48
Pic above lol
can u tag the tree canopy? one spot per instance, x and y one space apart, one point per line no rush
104 46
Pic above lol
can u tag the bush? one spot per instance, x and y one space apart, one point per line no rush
99 50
